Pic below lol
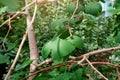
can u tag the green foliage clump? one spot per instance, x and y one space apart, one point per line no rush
93 8
89 32
72 6
117 4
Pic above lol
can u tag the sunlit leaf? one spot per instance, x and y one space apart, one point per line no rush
58 48
3 9
46 49
76 41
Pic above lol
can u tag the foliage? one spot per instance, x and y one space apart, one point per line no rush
93 8
53 28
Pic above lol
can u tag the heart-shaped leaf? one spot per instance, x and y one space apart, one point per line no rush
58 48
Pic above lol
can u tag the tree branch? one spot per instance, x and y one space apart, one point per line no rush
96 69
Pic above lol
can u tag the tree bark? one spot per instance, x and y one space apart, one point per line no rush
32 44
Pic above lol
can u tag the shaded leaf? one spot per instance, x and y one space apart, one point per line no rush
77 75
93 8
117 38
3 59
24 64
71 7
62 76
12 5
10 46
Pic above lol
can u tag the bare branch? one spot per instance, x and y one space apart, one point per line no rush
117 70
77 3
103 51
45 62
10 27
96 69
50 68
104 63
16 57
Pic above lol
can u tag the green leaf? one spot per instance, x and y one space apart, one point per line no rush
77 75
76 41
58 48
117 4
3 9
71 7
65 34
93 8
62 76
12 5
43 76
117 38
3 59
10 46
65 47
17 76
24 65
46 49
59 25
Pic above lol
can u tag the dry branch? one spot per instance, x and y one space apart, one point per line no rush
50 68
45 62
96 69
34 55
103 63
81 59
118 73
16 57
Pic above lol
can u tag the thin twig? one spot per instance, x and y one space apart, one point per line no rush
118 73
45 62
16 57
104 63
96 69
10 27
99 52
70 32
50 68
75 9
83 59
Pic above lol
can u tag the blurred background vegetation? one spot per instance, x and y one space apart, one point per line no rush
98 30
